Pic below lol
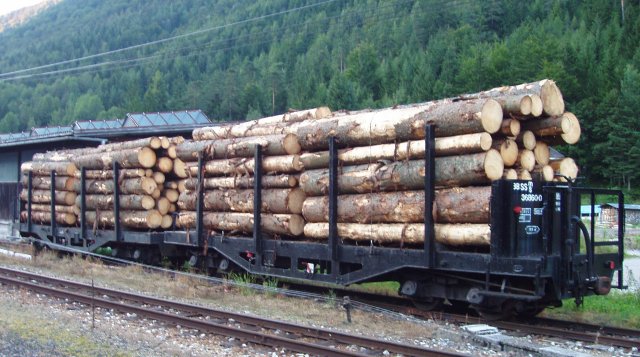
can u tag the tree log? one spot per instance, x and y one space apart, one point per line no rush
542 153
163 205
108 174
415 149
59 208
510 174
273 201
527 140
524 175
41 217
269 181
450 171
63 183
536 105
283 144
132 186
45 168
510 127
240 130
526 160
171 194
542 173
167 221
286 224
557 130
244 166
565 168
407 233
159 177
547 90
164 165
127 202
44 196
129 158
180 168
508 151
456 205
519 105
150 219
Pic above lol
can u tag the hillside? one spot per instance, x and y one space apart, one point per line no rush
18 17
255 58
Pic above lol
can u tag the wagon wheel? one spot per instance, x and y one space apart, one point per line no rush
503 311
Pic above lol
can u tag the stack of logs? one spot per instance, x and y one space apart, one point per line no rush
505 132
382 167
146 167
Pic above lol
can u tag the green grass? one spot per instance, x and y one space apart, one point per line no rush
380 287
619 308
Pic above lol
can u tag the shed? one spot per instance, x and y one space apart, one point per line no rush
609 213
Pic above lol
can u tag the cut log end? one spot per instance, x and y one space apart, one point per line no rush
485 141
527 160
572 135
147 157
509 152
167 221
552 101
510 127
528 139
491 116
291 144
536 105
542 153
295 200
510 174
525 105
155 142
493 165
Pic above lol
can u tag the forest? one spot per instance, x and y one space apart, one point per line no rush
241 59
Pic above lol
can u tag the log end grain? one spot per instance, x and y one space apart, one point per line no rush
491 116
291 144
295 200
552 101
485 141
542 153
159 177
148 185
155 142
509 152
164 165
296 225
493 165
322 112
528 139
573 134
154 219
524 175
147 157
163 205
527 160
510 174
147 202
180 168
165 142
167 221
525 105
536 105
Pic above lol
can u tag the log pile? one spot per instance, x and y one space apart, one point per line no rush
504 132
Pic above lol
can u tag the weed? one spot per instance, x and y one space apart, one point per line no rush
271 286
243 282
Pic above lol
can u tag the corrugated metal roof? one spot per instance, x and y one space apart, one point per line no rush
626 206
133 124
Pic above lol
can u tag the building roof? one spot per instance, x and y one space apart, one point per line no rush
626 206
166 123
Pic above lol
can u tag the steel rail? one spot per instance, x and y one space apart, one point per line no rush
255 337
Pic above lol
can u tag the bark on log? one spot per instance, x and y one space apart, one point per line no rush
108 174
132 186
44 196
45 168
519 105
130 158
557 130
285 224
463 170
552 102
127 202
150 219
276 181
415 149
405 233
246 166
59 208
41 217
239 130
455 205
283 144
63 183
273 201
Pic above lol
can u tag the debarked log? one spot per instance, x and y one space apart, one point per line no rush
283 144
42 217
285 224
282 201
63 183
243 166
405 233
269 181
450 171
45 168
127 202
150 219
44 196
129 158
455 205
131 186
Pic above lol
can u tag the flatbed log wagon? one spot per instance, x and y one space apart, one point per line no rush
540 252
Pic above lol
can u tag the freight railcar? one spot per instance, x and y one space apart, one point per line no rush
540 250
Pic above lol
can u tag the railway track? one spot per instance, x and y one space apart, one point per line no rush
250 329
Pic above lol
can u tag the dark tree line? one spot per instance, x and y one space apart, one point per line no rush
346 54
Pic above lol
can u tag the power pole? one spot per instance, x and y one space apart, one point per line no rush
622 8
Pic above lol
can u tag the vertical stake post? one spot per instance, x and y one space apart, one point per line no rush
334 240
52 191
257 204
83 206
200 204
429 195
29 200
116 201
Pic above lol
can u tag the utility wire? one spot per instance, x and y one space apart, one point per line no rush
146 44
